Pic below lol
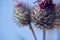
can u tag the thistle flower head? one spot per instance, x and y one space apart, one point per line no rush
41 21
23 14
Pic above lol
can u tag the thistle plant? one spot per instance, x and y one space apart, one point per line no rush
37 15
23 16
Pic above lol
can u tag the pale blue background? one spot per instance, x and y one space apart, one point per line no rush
10 31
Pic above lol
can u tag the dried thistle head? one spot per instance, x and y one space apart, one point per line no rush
57 21
23 14
39 14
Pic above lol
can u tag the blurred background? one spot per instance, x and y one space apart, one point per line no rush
9 30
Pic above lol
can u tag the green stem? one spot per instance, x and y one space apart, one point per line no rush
32 31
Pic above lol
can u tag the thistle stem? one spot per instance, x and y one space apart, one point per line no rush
32 31
44 34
